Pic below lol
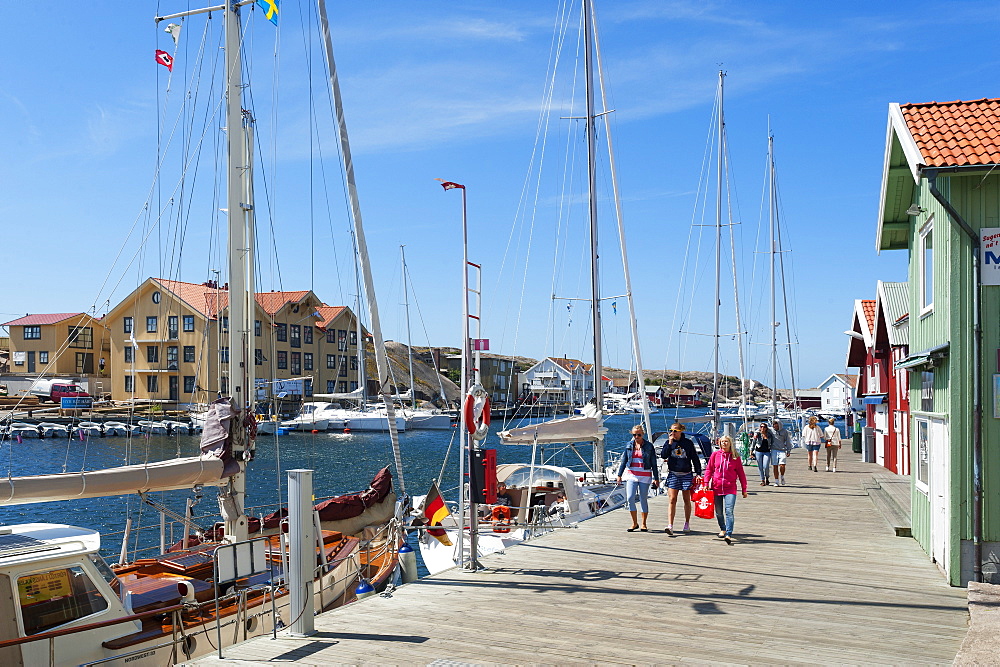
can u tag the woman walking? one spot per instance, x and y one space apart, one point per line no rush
683 464
638 467
813 438
832 434
724 469
762 452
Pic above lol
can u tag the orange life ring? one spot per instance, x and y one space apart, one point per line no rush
477 422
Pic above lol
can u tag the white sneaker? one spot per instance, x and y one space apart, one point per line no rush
834 470
828 468
782 480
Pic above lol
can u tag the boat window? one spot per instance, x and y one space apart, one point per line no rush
105 570
542 477
55 597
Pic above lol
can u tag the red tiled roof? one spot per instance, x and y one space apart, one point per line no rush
209 300
868 305
272 302
955 134
41 319
570 364
851 380
206 299
328 315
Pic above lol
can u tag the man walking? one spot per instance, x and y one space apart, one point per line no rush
781 447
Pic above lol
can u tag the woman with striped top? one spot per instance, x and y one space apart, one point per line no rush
638 467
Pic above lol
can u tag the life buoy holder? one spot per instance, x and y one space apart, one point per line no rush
501 519
476 412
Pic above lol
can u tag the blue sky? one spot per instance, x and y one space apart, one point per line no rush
456 91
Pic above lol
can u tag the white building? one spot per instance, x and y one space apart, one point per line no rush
560 381
838 392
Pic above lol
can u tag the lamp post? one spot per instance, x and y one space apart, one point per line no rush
464 444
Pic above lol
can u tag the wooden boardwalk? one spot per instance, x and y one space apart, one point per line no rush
816 576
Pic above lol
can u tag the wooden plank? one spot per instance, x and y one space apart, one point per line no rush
815 577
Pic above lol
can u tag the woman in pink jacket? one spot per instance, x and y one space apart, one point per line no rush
724 468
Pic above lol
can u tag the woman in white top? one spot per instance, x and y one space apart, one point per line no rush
813 438
832 434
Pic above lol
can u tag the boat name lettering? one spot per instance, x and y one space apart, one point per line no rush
140 656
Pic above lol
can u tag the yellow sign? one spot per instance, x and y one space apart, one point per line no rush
43 586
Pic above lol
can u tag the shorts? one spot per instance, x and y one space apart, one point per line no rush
778 458
812 448
682 481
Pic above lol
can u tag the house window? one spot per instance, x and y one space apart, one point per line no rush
354 385
342 340
189 354
188 384
281 331
55 597
152 384
223 355
32 333
923 453
354 362
256 328
307 361
331 386
43 357
188 323
282 359
308 386
296 336
129 385
926 267
127 324
81 337
258 357
225 323
172 326
151 324
296 363
224 385
342 386
307 335
172 358
331 361
354 338
342 366
331 336
152 354
129 354
927 391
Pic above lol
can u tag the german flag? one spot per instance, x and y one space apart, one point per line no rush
434 512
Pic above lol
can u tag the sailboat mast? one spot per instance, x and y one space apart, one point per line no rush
640 376
241 262
774 312
595 293
381 360
718 258
409 340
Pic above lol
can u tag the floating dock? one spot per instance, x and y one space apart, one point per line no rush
816 576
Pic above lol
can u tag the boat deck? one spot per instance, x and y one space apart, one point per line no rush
816 576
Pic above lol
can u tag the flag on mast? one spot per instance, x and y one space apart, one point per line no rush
270 8
434 511
165 59
174 31
448 185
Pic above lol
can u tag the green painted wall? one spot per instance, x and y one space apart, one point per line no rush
977 199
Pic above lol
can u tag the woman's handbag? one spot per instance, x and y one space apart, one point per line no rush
704 502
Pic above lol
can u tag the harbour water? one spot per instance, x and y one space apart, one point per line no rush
343 463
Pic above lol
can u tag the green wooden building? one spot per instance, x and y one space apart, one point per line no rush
940 191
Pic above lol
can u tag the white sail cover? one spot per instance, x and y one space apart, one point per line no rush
588 427
356 395
180 473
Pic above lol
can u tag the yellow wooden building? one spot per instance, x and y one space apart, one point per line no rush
57 345
165 344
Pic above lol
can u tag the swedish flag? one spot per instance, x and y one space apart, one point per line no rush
270 8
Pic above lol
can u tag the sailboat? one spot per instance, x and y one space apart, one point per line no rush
64 604
543 497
